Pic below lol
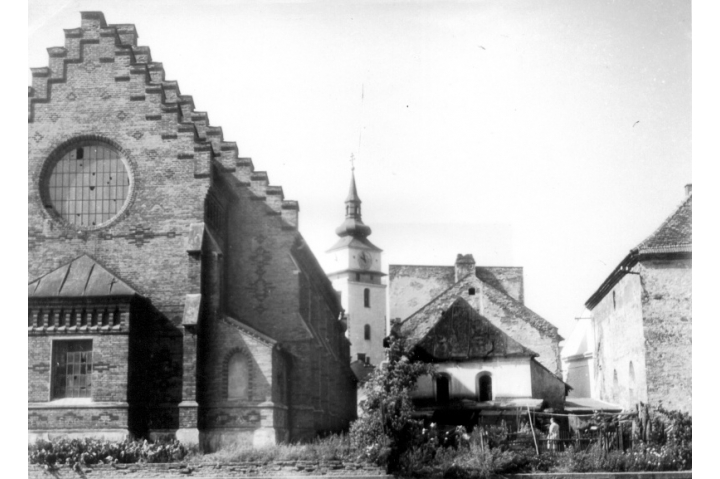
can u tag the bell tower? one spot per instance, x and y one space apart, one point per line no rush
357 274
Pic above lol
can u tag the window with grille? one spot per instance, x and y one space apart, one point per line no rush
72 369
88 186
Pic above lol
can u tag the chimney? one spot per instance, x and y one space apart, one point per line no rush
464 265
688 189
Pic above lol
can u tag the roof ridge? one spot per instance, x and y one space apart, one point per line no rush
485 284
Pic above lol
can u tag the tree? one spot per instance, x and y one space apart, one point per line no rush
386 429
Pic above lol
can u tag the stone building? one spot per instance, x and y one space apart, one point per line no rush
480 370
497 293
170 291
490 352
642 320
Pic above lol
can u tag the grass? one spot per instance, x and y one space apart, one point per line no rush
331 448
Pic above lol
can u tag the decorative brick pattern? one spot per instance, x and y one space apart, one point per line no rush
102 86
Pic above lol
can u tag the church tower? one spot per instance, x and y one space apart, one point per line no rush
356 273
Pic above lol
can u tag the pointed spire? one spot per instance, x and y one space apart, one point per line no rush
353 225
352 196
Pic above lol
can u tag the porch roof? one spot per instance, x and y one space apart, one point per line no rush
81 277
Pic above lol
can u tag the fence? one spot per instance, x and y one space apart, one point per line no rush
530 430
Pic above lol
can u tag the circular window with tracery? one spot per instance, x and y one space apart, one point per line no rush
88 186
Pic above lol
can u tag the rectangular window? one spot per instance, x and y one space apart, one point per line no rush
72 369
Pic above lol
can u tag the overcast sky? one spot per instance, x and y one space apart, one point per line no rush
552 135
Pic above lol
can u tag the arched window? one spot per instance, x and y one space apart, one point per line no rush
367 332
484 387
238 377
442 388
366 297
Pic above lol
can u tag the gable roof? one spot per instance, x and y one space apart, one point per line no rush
674 236
417 325
81 277
460 332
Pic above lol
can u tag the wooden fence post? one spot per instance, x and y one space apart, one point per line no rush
532 428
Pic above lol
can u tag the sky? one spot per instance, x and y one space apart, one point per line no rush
552 135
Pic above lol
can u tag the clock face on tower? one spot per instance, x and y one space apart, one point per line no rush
365 260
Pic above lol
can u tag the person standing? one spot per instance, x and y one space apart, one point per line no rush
553 434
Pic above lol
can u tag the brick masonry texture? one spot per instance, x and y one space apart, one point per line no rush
262 291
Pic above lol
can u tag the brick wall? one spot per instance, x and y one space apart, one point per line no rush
110 367
102 87
98 88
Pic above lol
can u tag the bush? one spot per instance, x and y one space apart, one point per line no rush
76 453
386 429
670 449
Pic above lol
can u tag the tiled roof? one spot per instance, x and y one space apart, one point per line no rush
675 233
673 236
82 276
417 325
460 332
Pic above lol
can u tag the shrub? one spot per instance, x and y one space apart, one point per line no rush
76 453
386 430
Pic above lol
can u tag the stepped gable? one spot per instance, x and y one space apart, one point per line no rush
461 333
96 44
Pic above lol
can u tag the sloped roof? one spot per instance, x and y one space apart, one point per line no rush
419 324
353 242
458 327
460 332
674 234
81 277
